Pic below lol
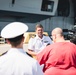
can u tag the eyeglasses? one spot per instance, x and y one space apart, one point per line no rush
52 36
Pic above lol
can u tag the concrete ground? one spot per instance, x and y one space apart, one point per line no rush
6 47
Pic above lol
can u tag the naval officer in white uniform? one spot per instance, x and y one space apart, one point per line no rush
16 61
39 42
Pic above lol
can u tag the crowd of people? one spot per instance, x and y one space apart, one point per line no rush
53 57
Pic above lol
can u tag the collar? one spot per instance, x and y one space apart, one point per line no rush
37 37
16 50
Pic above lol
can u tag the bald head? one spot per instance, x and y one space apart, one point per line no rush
57 31
57 35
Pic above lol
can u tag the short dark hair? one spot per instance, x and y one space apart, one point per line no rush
39 26
16 41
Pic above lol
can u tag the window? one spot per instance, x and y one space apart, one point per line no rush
47 5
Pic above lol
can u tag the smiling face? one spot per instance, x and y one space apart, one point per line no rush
39 31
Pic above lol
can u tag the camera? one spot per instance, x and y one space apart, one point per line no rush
70 34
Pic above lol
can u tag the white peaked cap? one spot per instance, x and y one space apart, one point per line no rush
14 29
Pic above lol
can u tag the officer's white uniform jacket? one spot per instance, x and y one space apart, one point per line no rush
17 62
37 44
